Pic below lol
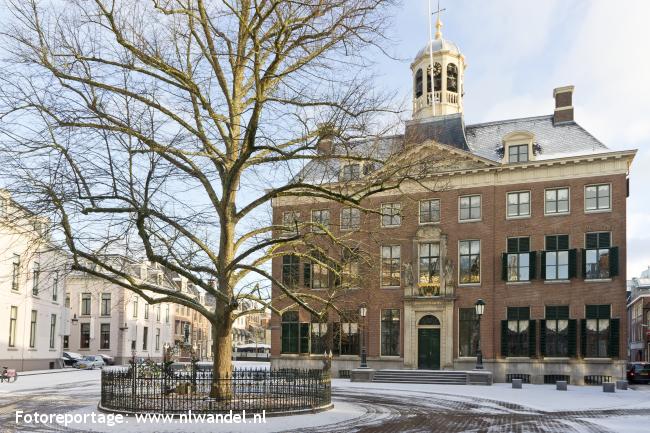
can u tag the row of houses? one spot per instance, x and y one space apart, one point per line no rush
46 309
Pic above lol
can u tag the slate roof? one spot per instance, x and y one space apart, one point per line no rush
559 140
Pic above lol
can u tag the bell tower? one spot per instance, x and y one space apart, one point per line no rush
438 74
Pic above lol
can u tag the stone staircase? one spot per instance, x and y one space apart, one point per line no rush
439 377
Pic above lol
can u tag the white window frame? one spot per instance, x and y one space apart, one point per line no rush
420 211
511 145
317 229
597 210
480 263
349 228
294 216
568 211
530 205
393 215
381 265
480 208
350 164
568 251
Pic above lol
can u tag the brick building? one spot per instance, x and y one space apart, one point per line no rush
527 214
639 318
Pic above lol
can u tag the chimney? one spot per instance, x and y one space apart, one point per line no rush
325 143
563 104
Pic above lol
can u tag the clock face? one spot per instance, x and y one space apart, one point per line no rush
437 68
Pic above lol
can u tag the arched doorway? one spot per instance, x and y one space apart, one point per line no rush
429 343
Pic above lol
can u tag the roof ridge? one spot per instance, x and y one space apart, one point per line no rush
494 122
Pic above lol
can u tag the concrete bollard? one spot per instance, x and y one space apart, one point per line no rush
560 385
609 387
516 383
621 384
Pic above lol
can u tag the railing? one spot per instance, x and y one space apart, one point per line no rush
161 389
429 290
427 99
452 98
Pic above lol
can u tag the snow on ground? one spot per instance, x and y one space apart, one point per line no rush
38 381
539 397
623 424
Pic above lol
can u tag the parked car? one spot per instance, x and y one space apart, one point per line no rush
108 360
69 358
638 372
90 362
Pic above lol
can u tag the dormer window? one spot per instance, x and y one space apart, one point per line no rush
518 147
350 172
518 153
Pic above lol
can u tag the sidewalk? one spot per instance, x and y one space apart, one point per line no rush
51 371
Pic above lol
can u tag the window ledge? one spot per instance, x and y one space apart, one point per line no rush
518 358
557 358
554 214
469 285
13 349
470 221
598 211
466 358
433 223
391 357
598 280
396 226
557 281
517 283
605 359
391 287
517 217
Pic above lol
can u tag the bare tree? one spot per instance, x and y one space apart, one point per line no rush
166 128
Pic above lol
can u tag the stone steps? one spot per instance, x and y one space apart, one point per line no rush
421 376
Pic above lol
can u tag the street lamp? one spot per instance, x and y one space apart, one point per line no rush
479 307
363 311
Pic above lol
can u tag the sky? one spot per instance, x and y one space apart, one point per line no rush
518 51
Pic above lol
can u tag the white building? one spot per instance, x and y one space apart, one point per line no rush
32 291
109 319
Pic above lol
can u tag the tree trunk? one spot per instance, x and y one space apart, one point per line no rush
222 361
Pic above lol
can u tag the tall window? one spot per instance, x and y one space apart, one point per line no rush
67 299
470 261
36 276
84 341
518 331
557 331
85 304
166 313
390 332
290 270
390 265
556 201
135 306
157 312
32 329
467 332
105 309
519 204
290 221
318 335
13 321
350 268
66 341
429 266
597 255
157 339
391 214
52 331
320 274
597 197
556 257
429 211
470 207
290 332
597 333
452 78
105 336
320 220
437 78
350 218
418 83
518 259
518 153
346 334
145 337
15 273
146 310
55 286
350 172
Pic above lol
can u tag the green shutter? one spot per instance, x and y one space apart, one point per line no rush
306 274
614 336
583 337
573 337
542 271
504 267
532 274
573 263
613 262
504 338
542 337
584 263
285 338
304 338
532 338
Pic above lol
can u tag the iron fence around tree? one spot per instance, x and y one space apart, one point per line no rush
156 388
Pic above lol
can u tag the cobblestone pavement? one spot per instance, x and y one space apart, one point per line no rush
384 413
